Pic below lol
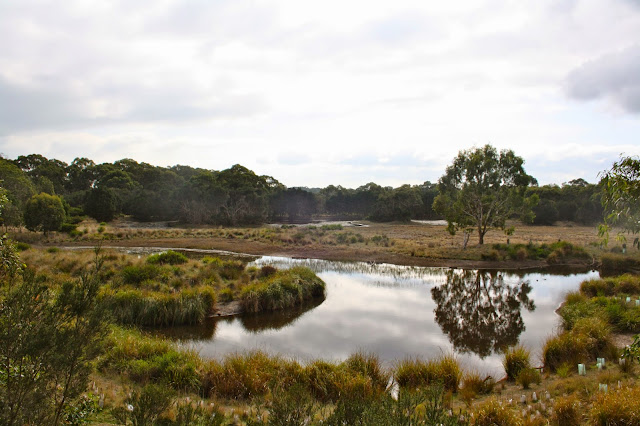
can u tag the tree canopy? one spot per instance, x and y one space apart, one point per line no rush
483 188
44 212
621 198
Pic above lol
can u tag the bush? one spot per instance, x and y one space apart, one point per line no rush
515 359
145 406
527 376
567 411
618 407
610 262
589 339
413 374
493 413
136 274
20 246
169 257
281 290
67 227
477 385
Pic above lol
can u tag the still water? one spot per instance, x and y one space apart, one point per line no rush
398 312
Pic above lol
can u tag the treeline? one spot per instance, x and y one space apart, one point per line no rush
235 196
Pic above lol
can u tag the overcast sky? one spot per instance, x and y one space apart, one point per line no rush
323 92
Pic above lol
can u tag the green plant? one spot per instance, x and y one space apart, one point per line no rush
619 407
493 413
168 257
567 411
527 376
515 359
20 246
143 407
291 406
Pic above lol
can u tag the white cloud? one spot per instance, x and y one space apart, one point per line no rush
317 93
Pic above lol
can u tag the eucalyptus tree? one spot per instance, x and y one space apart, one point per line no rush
483 188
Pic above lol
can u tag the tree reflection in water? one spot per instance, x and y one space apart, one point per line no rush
480 312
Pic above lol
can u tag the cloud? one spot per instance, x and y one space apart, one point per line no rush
614 76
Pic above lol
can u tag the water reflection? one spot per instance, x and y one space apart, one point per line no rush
253 323
479 311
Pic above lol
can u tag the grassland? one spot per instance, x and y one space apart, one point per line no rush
398 243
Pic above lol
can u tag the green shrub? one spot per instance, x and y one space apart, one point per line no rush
67 227
478 385
527 376
136 274
493 413
20 246
515 359
169 257
145 308
283 289
225 295
414 373
368 365
144 406
53 250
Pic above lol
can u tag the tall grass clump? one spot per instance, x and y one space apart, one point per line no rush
624 284
415 373
148 308
146 359
137 274
612 262
243 376
589 339
567 411
515 359
493 413
619 407
168 257
282 290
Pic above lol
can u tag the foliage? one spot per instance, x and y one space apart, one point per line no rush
283 289
44 213
482 189
528 375
48 344
413 373
621 199
567 411
516 359
619 407
143 407
493 413
168 257
479 311
102 204
632 351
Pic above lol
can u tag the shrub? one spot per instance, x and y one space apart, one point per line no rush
527 376
283 289
67 227
20 246
493 413
169 257
143 407
611 262
477 385
567 411
225 295
414 373
618 407
515 359
368 365
136 274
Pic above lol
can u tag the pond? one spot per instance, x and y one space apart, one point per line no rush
398 312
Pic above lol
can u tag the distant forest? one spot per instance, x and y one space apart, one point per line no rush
238 196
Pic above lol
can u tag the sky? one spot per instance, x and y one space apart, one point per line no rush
323 92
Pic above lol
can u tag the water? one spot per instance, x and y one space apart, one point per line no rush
398 312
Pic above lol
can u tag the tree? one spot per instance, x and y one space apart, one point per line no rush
479 311
101 204
482 189
44 213
621 198
48 341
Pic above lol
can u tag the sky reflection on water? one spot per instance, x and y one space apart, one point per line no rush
390 310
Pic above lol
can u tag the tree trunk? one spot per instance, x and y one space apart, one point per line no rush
480 236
